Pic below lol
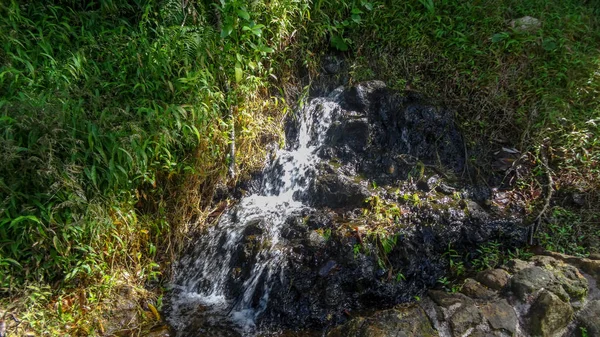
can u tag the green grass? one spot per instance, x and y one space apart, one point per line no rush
115 116
115 120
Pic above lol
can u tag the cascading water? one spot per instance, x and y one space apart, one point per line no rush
296 254
204 277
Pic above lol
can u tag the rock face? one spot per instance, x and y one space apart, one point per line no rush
329 260
528 301
380 138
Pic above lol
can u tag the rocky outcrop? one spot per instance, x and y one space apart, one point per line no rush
383 157
546 296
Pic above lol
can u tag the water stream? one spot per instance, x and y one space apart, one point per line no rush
204 277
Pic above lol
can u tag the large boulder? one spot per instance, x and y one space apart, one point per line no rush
549 315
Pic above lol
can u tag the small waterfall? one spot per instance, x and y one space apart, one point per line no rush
204 277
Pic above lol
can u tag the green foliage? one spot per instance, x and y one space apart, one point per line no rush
583 332
335 18
489 256
455 260
108 107
504 83
567 233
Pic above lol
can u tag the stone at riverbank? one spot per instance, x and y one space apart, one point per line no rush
547 297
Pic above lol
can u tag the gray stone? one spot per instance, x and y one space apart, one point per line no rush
501 316
481 333
589 318
529 280
526 24
549 314
495 278
465 318
569 284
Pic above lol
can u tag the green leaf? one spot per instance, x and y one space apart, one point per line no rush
56 244
257 31
11 261
266 49
356 18
499 37
243 14
338 43
227 29
22 218
238 72
549 44
368 6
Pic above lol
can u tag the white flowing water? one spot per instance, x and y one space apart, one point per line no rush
202 277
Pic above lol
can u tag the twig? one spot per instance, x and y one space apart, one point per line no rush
549 190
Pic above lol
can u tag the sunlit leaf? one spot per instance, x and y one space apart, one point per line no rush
238 72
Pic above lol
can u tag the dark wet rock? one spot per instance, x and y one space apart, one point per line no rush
445 189
589 318
331 64
336 191
501 316
401 322
549 314
352 132
385 136
529 280
475 211
476 290
359 97
327 268
495 279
